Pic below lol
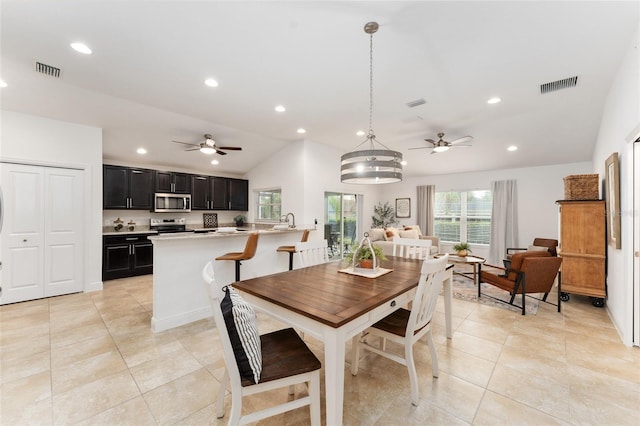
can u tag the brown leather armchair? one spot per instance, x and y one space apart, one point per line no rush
529 272
549 243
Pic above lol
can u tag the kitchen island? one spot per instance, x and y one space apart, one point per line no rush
179 295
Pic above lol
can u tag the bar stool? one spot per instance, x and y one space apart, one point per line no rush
292 249
248 253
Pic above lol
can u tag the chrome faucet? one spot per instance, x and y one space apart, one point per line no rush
293 224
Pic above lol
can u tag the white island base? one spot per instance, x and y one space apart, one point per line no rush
179 295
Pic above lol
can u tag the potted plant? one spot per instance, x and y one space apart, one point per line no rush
364 256
239 220
462 249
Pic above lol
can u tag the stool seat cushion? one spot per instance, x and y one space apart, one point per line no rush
233 256
286 249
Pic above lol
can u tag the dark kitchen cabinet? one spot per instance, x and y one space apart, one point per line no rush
219 193
238 194
126 256
127 188
173 182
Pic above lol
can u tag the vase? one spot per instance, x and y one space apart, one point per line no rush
366 263
463 253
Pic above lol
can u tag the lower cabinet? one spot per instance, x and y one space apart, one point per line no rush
126 256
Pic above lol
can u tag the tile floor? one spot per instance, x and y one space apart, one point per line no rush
92 359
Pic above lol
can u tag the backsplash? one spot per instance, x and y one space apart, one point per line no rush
141 218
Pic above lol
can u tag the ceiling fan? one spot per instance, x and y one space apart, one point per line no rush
442 145
209 146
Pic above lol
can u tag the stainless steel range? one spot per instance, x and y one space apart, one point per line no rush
166 226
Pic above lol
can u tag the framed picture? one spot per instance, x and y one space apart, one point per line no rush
612 182
403 207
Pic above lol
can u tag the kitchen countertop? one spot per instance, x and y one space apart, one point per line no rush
243 232
146 232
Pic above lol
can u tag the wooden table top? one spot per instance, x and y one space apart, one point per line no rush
334 298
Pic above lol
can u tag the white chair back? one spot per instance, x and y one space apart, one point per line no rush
312 252
412 248
216 294
426 298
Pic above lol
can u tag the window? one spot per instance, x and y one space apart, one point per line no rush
268 205
463 216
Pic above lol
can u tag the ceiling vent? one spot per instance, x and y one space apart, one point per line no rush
47 69
559 85
416 103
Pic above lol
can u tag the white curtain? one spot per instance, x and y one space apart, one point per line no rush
504 223
426 206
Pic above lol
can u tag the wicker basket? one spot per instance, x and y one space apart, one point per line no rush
581 187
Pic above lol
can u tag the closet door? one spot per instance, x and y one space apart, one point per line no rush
63 231
22 245
42 232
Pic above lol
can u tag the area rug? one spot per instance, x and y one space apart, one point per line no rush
465 289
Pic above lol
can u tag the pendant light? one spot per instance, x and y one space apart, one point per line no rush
372 165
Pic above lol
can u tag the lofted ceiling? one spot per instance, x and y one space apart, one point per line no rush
143 84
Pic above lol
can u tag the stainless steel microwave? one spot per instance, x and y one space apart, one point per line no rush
170 203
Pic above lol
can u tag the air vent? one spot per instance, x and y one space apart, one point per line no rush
558 85
416 103
47 70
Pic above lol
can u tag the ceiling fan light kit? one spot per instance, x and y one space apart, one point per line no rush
441 145
371 166
209 147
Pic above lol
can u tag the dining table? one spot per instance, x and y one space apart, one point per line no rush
334 306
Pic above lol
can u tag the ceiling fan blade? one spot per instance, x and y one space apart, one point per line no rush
430 141
231 148
186 143
462 146
220 152
422 147
462 140
192 149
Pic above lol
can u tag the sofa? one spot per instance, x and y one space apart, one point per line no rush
383 237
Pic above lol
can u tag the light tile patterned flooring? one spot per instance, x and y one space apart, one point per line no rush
91 359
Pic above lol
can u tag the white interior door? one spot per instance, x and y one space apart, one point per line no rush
636 243
42 232
63 231
22 233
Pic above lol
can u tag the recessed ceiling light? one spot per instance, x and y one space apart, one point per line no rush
360 133
404 163
215 162
494 100
301 130
141 151
82 48
211 82
512 148
280 108
3 84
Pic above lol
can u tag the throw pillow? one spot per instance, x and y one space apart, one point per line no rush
389 233
409 233
415 227
376 234
242 326
537 248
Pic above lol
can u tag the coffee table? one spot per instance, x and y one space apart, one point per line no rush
474 261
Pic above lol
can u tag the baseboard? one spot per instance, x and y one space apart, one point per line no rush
94 286
158 325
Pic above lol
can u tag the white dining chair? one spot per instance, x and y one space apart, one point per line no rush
413 248
312 252
286 361
407 327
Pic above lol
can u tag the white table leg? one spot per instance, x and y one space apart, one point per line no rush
448 294
334 358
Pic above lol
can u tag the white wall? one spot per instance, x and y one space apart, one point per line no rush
538 190
35 140
305 170
620 117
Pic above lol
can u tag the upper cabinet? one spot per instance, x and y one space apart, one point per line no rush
127 188
219 193
178 183
238 194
